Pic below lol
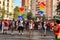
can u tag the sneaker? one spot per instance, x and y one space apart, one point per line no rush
19 33
11 33
22 33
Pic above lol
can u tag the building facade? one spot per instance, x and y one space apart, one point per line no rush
50 10
27 5
33 7
8 6
55 7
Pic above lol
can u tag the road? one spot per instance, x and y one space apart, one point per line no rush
36 35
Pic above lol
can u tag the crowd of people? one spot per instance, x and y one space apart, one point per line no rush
20 25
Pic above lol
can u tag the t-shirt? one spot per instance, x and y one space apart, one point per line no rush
20 23
57 29
13 23
30 25
6 24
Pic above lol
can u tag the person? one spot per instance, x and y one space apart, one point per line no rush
31 27
6 26
20 27
51 26
12 26
42 27
57 30
39 25
45 27
0 25
17 25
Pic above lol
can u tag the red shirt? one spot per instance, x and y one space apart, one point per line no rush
57 29
6 23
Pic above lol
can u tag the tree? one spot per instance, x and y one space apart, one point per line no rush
58 12
16 12
25 15
10 14
43 17
3 11
29 15
58 8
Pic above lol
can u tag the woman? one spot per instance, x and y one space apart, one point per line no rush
20 27
31 27
6 26
45 27
2 26
12 26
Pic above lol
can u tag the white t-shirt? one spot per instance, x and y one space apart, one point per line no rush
21 23
30 25
13 24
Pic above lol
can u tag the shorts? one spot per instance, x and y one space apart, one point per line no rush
5 28
12 28
20 28
43 28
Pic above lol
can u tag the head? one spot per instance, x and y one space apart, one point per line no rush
58 21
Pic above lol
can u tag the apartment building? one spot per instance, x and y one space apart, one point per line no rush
27 5
50 9
8 6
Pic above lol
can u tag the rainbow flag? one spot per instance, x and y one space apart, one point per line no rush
21 10
42 6
20 16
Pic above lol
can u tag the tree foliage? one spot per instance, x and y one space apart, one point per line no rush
3 11
58 7
29 15
58 11
16 12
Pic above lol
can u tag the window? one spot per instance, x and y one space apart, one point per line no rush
7 9
0 8
7 4
0 2
3 3
7 0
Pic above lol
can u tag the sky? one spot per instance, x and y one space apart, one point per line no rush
17 3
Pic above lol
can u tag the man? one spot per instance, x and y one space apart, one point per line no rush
57 30
12 26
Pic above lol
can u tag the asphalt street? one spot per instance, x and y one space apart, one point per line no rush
36 35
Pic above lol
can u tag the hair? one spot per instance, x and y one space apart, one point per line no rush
58 21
